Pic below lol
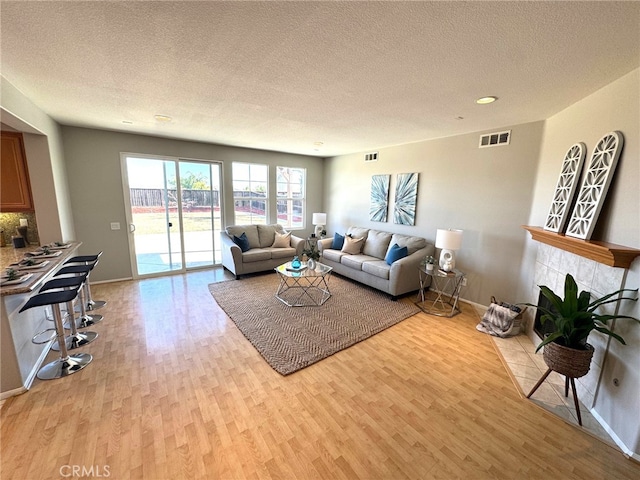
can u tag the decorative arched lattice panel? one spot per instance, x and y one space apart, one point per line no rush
595 185
566 187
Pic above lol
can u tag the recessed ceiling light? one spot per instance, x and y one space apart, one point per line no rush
317 145
127 122
162 118
486 100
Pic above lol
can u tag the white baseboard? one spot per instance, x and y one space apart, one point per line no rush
13 393
111 281
625 449
478 306
32 374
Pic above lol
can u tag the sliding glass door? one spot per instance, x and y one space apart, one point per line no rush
200 186
173 212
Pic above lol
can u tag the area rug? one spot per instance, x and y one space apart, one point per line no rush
291 338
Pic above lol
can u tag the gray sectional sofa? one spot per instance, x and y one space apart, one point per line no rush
262 254
369 266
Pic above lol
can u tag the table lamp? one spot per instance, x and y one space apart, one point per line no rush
319 220
449 241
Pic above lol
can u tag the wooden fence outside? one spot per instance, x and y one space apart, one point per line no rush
154 197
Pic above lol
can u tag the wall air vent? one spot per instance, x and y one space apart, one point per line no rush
371 157
495 139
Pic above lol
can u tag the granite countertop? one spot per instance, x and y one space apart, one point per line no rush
9 255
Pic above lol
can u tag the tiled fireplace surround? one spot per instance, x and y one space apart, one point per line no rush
552 265
591 265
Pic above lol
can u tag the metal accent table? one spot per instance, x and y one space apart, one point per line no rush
304 287
439 292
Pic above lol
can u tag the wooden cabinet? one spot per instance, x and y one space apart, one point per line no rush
15 189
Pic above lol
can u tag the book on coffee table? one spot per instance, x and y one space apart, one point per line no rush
299 269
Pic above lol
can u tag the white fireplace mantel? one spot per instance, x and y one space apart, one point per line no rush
603 252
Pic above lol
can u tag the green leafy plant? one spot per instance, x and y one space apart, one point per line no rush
429 260
11 274
311 251
575 316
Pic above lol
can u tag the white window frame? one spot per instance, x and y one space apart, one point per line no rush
290 198
251 198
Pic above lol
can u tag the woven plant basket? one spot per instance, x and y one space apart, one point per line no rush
569 362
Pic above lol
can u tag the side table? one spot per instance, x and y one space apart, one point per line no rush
439 291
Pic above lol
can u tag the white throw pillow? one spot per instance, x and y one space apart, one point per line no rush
282 240
352 246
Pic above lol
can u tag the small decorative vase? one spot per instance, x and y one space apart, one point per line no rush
295 263
311 264
429 267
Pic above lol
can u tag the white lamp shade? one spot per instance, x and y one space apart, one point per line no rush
449 239
319 219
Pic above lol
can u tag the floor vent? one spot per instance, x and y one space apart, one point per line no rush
495 139
371 157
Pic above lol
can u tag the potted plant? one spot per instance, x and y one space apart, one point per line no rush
574 317
312 253
429 262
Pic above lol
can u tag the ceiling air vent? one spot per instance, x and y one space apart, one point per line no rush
495 139
371 157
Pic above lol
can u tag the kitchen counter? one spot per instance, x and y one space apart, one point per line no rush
9 255
20 358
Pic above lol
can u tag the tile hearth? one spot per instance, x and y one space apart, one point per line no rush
527 367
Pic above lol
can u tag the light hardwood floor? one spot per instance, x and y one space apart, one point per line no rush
175 391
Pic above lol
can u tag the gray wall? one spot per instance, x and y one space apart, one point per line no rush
490 193
615 107
97 197
487 192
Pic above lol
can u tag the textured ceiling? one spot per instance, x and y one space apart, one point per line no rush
280 76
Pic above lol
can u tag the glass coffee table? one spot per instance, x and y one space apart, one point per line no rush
303 287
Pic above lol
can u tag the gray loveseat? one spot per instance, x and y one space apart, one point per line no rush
262 255
369 266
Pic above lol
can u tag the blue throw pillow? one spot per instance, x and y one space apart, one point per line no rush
396 253
242 241
338 242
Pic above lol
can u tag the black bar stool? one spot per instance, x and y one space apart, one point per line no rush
76 339
91 260
84 320
66 364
